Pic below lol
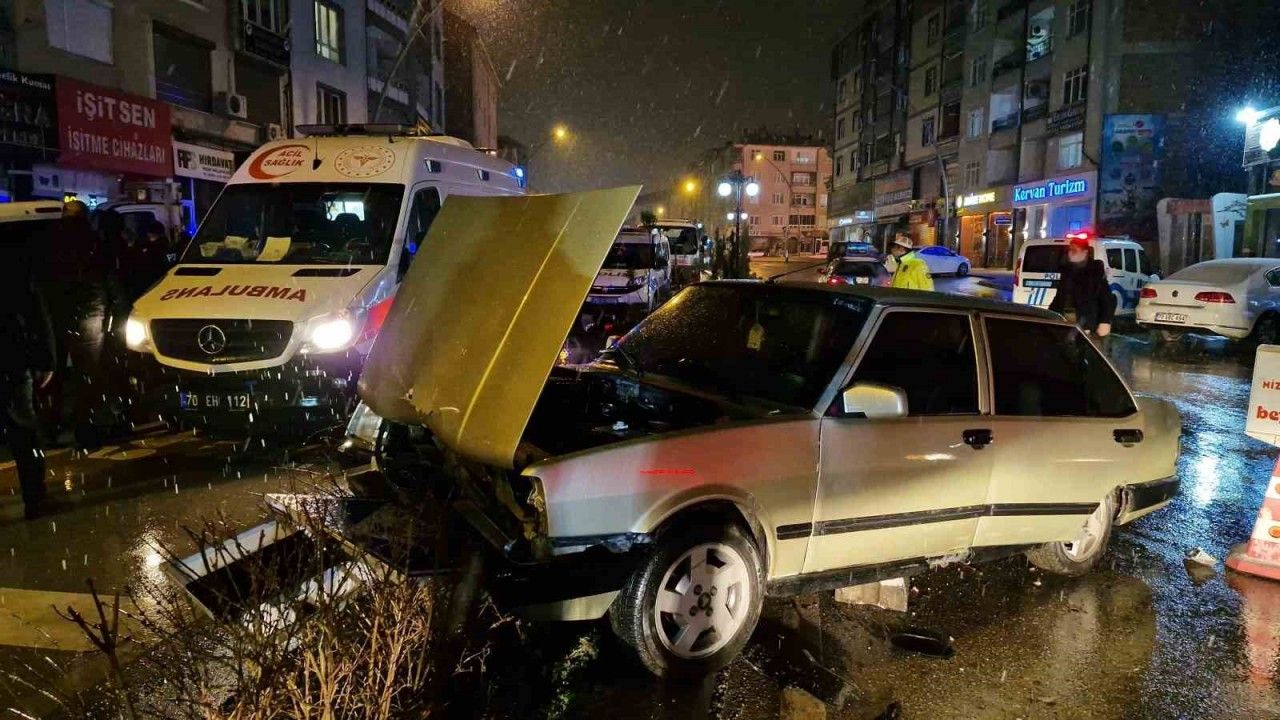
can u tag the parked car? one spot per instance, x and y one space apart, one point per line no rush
853 249
943 261
1039 267
651 485
1236 298
636 272
856 271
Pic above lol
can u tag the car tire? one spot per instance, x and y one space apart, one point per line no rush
1266 331
1078 556
962 270
722 616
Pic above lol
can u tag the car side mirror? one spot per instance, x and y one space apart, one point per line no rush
874 401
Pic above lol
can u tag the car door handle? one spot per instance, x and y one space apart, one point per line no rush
977 439
1127 436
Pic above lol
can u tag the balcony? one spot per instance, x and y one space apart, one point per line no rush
1008 122
952 89
1009 9
1012 61
1035 112
389 13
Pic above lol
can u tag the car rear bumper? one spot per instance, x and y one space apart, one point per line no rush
1192 328
1141 499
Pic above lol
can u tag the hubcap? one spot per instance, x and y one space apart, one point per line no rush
1090 535
703 600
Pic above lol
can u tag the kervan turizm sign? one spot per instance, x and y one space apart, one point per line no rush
1050 190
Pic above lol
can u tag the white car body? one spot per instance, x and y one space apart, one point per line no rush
1194 299
266 313
1037 270
636 284
942 261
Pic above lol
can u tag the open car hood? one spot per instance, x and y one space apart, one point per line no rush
482 314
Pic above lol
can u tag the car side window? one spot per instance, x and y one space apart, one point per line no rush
422 213
1130 260
1115 259
1144 263
1042 369
1273 278
929 355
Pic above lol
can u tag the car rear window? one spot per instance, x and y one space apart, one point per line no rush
1043 258
860 269
1044 370
1215 273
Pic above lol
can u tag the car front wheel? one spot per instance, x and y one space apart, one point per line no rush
692 607
1080 554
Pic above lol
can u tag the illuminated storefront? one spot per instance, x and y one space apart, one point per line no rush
1053 207
986 227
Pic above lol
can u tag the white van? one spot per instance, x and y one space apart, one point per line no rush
275 302
687 251
1039 265
636 273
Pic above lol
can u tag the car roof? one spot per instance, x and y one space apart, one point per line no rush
30 210
635 236
1096 241
898 297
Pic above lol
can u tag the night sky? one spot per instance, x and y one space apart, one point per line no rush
646 86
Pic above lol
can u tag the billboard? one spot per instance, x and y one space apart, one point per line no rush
1129 181
27 115
113 131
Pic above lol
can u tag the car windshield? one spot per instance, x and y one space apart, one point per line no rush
299 224
684 241
767 343
629 256
1044 258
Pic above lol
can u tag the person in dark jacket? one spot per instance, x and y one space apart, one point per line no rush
1084 296
26 364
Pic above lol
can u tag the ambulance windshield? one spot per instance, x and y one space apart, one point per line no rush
299 224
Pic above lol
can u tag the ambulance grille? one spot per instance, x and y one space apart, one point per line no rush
221 341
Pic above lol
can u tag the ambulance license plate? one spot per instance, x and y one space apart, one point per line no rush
1171 317
234 402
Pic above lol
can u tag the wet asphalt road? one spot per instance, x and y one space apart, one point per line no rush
1141 637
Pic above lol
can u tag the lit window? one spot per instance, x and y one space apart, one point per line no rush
976 125
328 31
927 131
1075 85
1071 151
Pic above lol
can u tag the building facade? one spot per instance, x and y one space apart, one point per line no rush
327 76
471 97
405 87
1017 120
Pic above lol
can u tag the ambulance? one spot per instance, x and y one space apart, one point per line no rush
271 309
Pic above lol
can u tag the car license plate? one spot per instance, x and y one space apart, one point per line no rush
1171 317
235 402
862 281
1037 283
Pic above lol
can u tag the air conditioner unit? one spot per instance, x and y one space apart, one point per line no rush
232 104
1038 90
275 131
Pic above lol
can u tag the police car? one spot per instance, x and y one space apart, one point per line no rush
1039 267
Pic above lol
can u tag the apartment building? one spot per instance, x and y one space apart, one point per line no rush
471 98
1020 119
412 91
327 79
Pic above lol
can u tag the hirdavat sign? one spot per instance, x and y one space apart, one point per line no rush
1050 190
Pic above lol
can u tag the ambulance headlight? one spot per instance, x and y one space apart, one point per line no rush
331 333
135 334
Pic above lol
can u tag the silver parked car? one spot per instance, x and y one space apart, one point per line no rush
746 439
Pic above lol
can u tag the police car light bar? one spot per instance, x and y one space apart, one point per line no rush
1078 236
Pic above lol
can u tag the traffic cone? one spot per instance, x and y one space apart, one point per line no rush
1261 555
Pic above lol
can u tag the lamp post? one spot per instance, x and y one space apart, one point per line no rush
736 185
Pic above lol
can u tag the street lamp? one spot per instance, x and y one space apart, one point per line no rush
737 185
560 133
1248 115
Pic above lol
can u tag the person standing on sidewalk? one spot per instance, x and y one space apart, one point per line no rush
911 272
1084 297
26 364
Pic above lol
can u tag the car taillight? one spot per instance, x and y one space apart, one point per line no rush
1213 296
834 280
1017 273
1147 292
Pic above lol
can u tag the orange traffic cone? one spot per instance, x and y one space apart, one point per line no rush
1261 555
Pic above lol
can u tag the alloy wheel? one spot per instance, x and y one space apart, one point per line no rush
703 600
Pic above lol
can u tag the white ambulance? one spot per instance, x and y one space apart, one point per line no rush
271 309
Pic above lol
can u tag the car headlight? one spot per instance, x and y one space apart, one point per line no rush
331 333
135 334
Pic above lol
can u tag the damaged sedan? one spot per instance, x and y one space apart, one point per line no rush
748 439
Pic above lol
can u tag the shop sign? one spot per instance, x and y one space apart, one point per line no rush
1049 190
202 163
981 198
1002 219
1129 183
264 43
1067 119
112 131
27 111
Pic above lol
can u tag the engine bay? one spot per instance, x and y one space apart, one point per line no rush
582 408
